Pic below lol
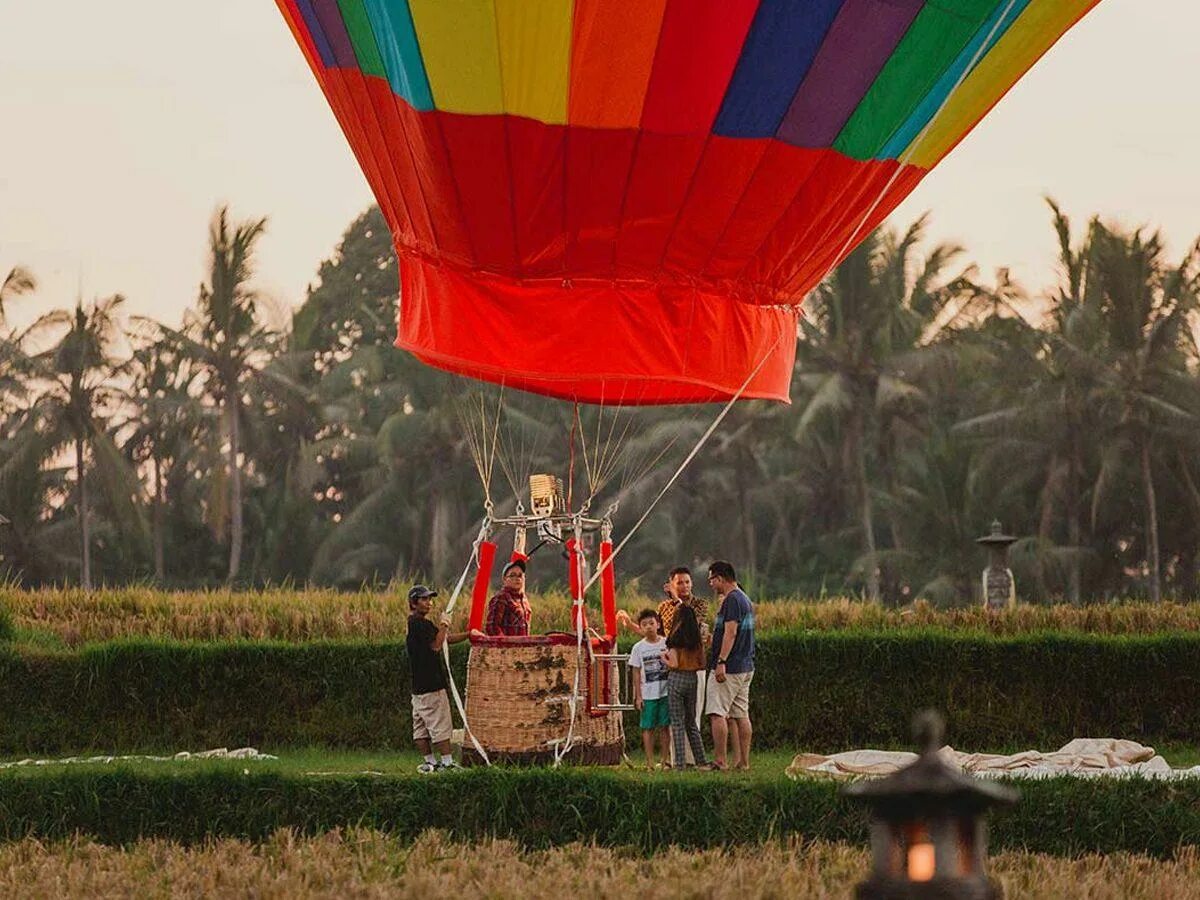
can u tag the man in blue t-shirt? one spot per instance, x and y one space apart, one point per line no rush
731 667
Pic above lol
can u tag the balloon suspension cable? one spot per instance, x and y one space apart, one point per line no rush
904 157
682 466
519 448
571 454
564 746
578 601
484 530
602 460
483 439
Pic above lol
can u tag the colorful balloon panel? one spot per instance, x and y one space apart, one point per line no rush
626 201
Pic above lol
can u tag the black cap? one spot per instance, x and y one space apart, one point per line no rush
516 563
420 592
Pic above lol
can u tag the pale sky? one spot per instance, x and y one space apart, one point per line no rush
123 125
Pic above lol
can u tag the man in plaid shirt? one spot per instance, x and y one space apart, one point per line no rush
508 612
679 593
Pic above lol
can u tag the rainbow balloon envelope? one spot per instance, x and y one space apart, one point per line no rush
626 201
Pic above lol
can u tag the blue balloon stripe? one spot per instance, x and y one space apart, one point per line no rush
784 39
316 32
396 37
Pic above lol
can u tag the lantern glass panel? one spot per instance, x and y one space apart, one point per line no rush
920 856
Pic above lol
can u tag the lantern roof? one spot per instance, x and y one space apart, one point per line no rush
930 782
996 537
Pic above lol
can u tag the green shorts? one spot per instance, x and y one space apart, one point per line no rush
655 714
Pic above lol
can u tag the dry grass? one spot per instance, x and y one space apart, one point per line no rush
75 617
366 864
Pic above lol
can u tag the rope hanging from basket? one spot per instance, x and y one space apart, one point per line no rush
462 579
577 608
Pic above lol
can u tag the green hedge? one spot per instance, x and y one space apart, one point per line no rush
542 807
814 691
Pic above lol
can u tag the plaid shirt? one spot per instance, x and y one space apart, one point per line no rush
669 607
508 613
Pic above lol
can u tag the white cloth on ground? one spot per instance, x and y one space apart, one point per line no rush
1082 757
244 753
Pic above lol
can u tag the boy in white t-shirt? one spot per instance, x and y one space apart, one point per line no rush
650 687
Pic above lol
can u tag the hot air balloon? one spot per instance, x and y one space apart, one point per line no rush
637 195
625 202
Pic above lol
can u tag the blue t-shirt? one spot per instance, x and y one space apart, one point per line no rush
736 607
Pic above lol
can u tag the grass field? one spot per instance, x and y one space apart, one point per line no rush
365 864
72 617
767 765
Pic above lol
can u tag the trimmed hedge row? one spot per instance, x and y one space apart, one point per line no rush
815 691
541 808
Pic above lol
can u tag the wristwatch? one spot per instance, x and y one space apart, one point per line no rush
721 662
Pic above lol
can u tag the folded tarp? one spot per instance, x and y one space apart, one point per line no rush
1086 757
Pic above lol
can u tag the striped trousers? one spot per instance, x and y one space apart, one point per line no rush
681 705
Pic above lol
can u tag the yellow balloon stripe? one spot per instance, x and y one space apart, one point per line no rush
535 57
1031 35
485 57
459 47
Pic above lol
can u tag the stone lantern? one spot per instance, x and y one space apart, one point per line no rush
928 826
999 588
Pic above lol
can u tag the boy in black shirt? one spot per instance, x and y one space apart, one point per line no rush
430 703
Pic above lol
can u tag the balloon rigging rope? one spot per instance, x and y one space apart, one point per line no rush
458 702
683 465
564 746
904 157
561 750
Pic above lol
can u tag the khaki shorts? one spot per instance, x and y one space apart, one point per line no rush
431 716
730 698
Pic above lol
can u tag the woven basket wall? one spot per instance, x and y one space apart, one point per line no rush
517 705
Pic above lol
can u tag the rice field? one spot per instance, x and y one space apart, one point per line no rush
365 864
73 617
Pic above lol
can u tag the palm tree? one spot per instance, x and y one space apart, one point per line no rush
868 336
77 371
35 544
1145 394
164 420
1036 418
226 336
17 282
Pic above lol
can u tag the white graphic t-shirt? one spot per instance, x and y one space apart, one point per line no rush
647 658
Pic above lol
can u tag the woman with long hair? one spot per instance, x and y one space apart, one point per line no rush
684 657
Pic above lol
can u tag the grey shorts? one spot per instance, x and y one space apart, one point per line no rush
431 716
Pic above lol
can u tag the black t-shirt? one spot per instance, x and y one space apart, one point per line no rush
426 665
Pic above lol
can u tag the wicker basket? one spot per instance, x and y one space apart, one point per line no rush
518 696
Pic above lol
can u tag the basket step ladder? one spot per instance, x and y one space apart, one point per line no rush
610 688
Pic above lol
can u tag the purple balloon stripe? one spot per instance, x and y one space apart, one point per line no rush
330 18
315 31
859 42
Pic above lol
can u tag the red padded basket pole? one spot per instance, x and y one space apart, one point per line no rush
608 590
575 580
483 576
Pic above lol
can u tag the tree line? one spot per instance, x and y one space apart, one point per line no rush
926 402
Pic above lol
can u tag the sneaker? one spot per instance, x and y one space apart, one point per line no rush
448 766
427 768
